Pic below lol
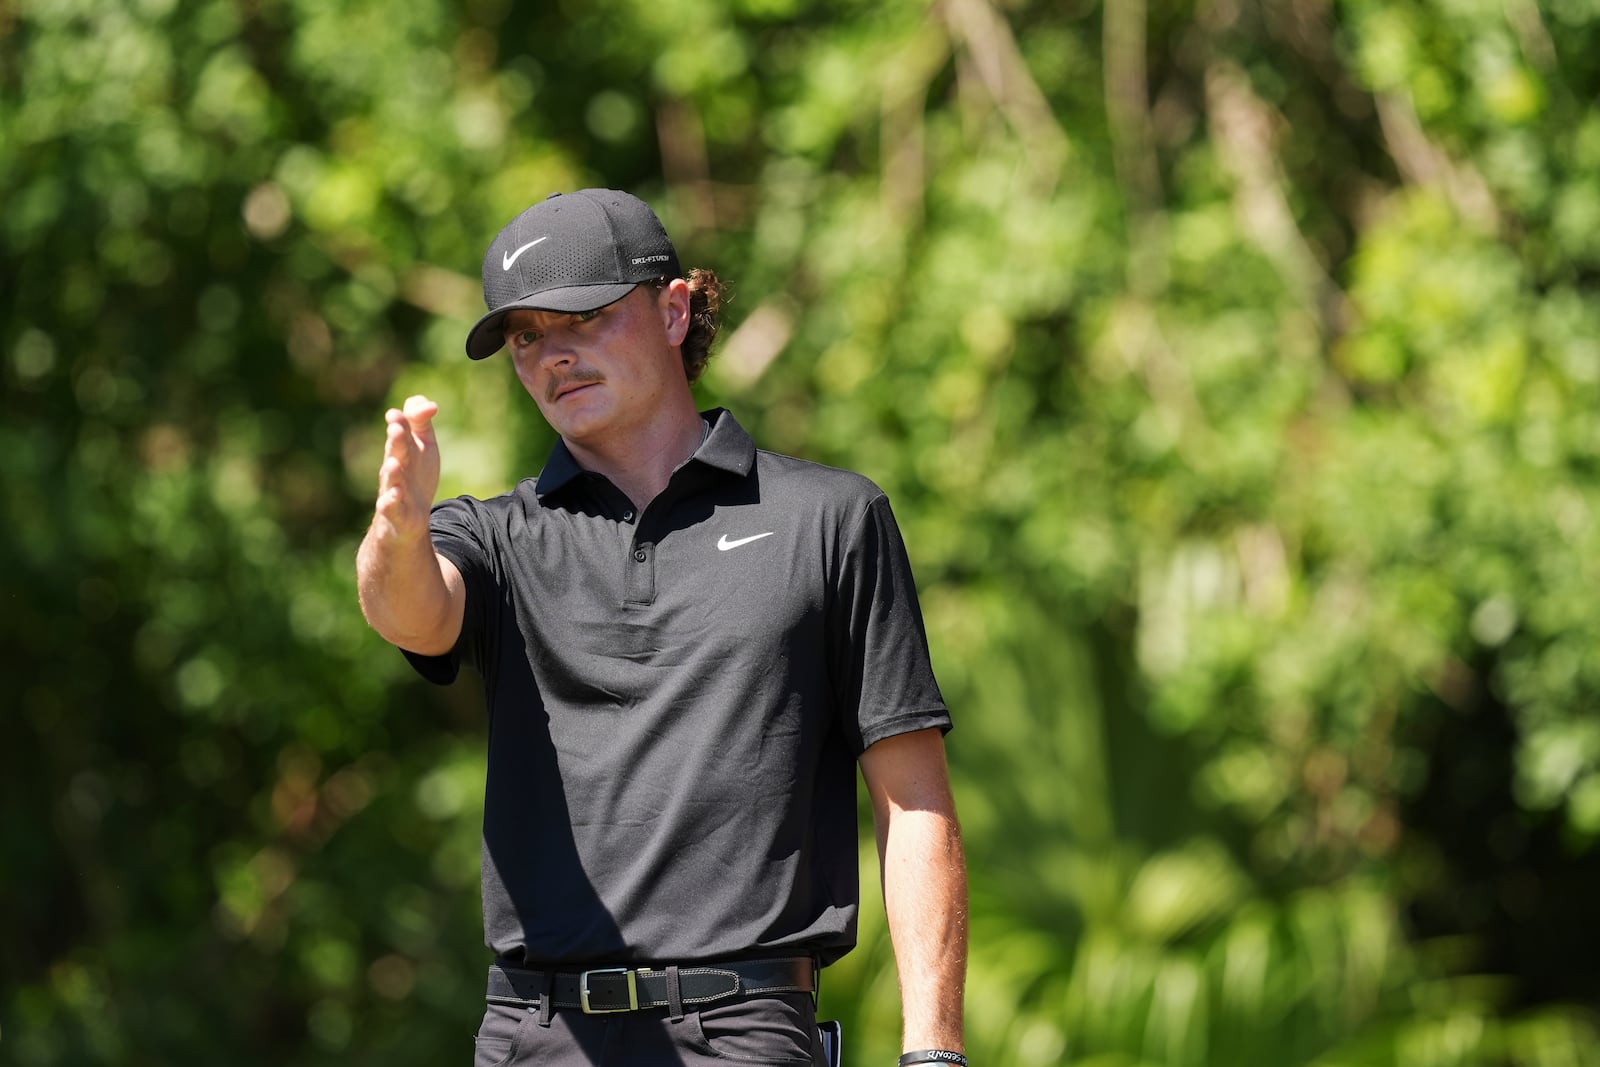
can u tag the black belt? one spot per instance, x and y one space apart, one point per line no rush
607 989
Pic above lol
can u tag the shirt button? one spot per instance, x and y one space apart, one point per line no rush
640 555
627 516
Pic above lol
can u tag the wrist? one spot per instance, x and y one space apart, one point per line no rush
933 1056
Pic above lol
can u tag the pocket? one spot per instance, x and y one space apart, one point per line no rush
775 1029
500 1035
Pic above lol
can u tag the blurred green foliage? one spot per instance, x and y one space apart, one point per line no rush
1232 367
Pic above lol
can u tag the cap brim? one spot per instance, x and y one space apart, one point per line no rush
487 337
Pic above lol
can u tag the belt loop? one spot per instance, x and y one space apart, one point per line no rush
674 994
544 999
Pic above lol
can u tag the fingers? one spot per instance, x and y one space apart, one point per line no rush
398 444
409 475
411 426
419 412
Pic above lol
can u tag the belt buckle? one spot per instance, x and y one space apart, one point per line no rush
583 991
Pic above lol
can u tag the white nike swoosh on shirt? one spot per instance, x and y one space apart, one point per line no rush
723 544
511 257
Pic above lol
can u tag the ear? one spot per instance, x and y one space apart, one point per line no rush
673 304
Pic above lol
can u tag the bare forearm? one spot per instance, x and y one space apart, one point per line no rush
404 592
925 891
412 596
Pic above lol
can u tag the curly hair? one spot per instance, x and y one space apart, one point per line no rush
705 303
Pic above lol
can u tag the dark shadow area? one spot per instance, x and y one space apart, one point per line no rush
1513 881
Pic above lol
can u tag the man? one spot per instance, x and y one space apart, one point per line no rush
686 646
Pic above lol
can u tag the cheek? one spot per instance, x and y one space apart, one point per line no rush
527 374
669 369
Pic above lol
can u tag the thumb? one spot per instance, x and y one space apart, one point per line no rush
419 412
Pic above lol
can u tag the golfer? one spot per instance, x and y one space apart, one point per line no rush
687 646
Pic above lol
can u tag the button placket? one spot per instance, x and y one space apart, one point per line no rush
641 577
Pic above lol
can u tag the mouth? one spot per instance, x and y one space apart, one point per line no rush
568 388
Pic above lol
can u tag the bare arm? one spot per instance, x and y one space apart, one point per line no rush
410 594
924 883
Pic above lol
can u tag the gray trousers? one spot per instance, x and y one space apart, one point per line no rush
778 1029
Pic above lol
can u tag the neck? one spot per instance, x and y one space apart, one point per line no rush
642 463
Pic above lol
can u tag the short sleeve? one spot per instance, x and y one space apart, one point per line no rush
459 535
881 671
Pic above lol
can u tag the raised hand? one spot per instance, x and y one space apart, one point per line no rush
409 477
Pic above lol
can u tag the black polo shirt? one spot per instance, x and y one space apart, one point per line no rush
676 700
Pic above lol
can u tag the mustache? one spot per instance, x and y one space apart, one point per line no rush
581 375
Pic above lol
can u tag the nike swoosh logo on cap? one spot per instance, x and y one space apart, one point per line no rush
723 544
511 257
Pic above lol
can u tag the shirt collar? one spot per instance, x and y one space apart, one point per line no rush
727 448
559 469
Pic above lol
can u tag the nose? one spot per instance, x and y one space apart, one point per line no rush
555 348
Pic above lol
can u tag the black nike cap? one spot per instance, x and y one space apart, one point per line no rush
570 252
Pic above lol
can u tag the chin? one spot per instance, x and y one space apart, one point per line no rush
578 425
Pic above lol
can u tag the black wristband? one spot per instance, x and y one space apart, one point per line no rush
933 1055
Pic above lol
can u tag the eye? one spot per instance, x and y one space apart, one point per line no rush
585 316
524 338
